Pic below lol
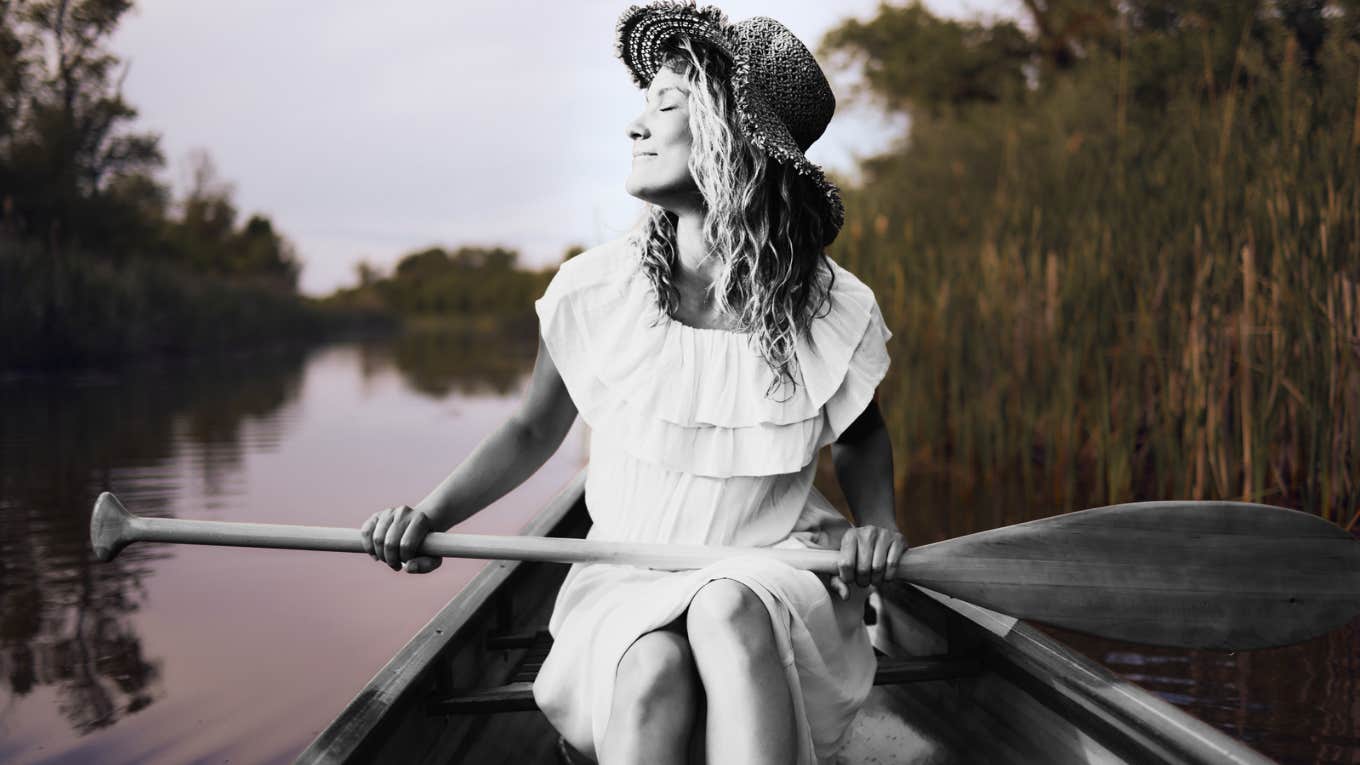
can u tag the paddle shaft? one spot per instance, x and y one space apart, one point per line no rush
1224 575
482 546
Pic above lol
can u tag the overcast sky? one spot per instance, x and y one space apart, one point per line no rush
365 131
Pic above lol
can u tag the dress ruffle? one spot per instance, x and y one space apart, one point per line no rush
647 378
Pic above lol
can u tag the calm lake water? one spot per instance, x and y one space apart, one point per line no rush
177 653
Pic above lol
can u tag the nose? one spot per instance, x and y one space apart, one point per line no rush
636 129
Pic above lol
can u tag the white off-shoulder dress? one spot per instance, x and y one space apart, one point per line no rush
685 447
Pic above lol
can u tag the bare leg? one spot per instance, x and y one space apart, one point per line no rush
652 714
698 740
750 710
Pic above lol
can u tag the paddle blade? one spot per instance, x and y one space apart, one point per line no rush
109 525
1220 575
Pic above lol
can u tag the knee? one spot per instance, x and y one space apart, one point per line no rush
656 675
729 613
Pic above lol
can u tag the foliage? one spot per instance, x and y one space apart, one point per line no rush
76 310
98 260
206 237
1137 276
466 282
72 176
63 156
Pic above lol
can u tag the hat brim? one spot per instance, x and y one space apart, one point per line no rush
642 37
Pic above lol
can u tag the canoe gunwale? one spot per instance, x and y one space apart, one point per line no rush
405 681
1130 721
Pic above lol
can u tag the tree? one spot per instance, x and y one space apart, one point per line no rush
262 253
911 58
207 217
62 117
367 274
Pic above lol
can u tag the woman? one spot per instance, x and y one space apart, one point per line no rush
713 351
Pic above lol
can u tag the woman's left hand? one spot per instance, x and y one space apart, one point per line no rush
870 555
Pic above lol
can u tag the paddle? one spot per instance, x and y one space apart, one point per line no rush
1222 575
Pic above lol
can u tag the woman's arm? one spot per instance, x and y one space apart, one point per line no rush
510 454
501 462
863 460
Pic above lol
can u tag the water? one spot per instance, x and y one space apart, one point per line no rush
1297 704
177 653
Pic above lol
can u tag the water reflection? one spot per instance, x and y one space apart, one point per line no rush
1298 703
64 617
151 434
451 360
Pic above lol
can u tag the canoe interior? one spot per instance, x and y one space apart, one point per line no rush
1029 699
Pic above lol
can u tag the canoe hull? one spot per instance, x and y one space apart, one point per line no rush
1034 700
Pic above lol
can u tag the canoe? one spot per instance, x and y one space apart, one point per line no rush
955 683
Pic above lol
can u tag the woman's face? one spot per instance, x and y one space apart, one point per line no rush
661 145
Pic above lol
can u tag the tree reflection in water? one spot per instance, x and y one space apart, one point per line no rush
64 617
66 620
444 360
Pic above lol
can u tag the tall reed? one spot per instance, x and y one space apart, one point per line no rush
1095 304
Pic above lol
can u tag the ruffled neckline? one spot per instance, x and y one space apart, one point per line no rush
633 367
683 326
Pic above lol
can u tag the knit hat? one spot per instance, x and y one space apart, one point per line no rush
783 100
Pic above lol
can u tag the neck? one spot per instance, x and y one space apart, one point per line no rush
695 266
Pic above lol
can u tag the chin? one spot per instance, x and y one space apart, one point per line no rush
642 191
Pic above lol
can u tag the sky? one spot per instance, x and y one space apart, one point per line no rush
368 131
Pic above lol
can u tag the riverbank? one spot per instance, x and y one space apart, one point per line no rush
76 310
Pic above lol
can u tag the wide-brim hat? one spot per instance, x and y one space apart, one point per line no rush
783 99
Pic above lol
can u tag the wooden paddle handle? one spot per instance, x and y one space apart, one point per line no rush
112 528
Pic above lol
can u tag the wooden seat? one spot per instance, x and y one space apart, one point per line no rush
516 695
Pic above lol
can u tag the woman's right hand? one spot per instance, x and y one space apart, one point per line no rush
393 536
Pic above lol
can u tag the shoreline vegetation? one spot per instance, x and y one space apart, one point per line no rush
1119 249
1120 252
70 311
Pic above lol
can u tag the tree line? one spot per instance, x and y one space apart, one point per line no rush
76 178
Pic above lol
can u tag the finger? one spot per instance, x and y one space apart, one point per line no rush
413 536
864 560
423 564
838 585
894 562
366 533
392 542
380 534
880 559
846 564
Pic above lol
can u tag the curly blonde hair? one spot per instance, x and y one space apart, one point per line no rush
760 218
